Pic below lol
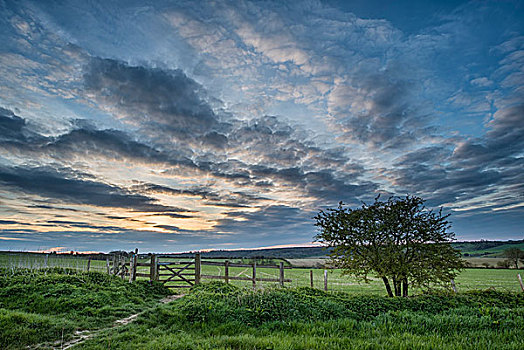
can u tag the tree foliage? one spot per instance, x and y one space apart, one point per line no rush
513 255
399 240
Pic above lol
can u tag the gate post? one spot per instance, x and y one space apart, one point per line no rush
198 264
153 269
281 279
132 266
255 275
226 271
114 271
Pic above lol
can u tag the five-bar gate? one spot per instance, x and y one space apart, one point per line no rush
176 272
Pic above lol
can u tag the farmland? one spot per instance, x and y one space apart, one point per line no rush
48 301
49 307
43 309
469 279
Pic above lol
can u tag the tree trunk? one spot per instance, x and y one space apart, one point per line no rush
405 287
396 286
388 286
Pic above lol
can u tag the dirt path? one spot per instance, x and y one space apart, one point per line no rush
82 336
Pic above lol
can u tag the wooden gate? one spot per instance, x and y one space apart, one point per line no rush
183 272
174 272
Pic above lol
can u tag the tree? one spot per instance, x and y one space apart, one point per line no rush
513 255
399 240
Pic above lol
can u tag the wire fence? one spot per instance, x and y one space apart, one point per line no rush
36 261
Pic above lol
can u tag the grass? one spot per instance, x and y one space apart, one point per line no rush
50 304
469 279
219 316
39 306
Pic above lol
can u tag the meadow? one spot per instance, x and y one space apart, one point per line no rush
41 306
45 308
220 316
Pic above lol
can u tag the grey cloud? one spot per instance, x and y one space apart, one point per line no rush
165 100
176 104
281 223
236 199
9 222
324 185
266 136
215 139
393 119
112 144
10 125
66 186
87 141
175 215
49 207
13 129
168 227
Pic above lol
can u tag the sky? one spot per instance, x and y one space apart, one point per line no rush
179 125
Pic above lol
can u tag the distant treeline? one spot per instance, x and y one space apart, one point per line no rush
284 253
468 248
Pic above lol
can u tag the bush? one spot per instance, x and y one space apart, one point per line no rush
217 303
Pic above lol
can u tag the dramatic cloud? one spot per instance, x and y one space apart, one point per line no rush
169 126
67 186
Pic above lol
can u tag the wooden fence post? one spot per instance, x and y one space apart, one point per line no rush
325 281
281 279
311 278
226 271
153 268
122 265
46 258
520 281
88 264
107 265
114 270
453 286
254 275
198 267
132 266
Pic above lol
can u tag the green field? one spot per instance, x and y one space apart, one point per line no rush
489 249
469 279
46 308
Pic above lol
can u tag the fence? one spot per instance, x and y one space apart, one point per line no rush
176 272
183 272
81 262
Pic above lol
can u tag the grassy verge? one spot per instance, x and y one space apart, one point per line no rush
46 305
219 316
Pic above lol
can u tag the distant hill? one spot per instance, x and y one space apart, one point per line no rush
489 249
286 253
483 248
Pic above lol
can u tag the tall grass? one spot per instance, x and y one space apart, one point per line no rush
49 304
219 316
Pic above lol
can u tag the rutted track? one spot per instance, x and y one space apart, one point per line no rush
83 335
